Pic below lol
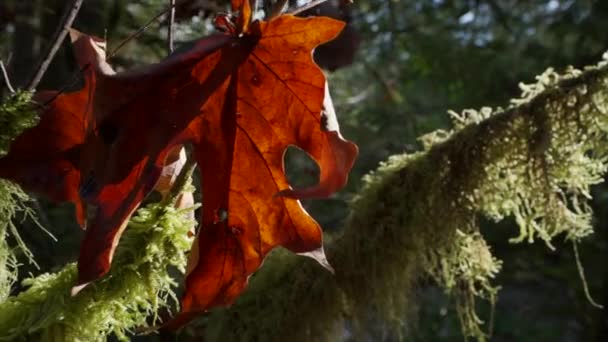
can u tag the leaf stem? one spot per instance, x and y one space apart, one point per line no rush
59 36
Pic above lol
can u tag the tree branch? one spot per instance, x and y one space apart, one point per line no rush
170 27
535 161
59 36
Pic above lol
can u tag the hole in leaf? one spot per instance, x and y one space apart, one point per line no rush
300 169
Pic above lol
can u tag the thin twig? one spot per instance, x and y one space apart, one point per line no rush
181 181
581 273
60 34
392 94
41 219
73 81
306 7
170 28
136 33
143 28
186 172
277 9
6 79
111 54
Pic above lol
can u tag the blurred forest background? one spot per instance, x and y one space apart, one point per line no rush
394 72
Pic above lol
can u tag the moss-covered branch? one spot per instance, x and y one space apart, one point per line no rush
417 216
125 300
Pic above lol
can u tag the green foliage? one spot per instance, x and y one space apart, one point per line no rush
127 299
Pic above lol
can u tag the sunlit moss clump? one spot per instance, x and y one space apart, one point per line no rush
465 267
127 299
546 184
534 161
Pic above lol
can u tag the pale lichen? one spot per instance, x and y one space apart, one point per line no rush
12 201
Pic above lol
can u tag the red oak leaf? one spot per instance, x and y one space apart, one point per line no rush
45 158
274 99
106 143
138 117
241 99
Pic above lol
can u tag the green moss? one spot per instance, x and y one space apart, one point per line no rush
127 299
16 114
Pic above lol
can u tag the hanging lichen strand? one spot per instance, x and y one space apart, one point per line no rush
129 298
417 215
16 114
